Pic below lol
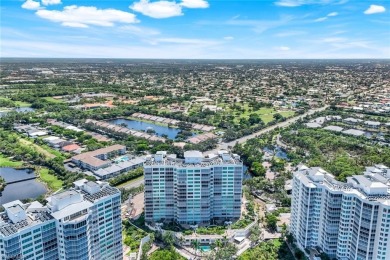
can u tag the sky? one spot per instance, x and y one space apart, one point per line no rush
195 29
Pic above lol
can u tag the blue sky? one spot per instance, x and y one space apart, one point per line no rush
200 29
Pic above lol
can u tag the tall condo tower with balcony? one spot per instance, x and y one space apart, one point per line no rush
193 190
346 220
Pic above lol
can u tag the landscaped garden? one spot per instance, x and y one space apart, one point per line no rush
132 236
50 179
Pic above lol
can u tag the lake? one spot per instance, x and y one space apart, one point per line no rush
143 126
21 190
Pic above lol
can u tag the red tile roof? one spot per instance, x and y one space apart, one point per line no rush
70 147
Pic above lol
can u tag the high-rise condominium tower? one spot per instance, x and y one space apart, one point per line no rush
348 221
194 189
78 224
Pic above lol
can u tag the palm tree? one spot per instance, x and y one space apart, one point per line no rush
218 243
195 244
181 240
168 238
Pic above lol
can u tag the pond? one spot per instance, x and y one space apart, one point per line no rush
143 126
20 190
19 109
277 151
246 175
24 109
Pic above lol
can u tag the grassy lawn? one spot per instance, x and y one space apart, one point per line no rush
38 148
287 113
18 103
265 113
269 117
52 151
53 100
22 104
130 181
6 162
52 181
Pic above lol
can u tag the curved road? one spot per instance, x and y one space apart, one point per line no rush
225 146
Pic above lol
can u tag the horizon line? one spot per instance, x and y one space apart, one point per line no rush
195 58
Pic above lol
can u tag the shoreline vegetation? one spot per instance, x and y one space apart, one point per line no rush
2 184
8 162
50 180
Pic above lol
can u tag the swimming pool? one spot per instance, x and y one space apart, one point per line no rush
124 158
205 248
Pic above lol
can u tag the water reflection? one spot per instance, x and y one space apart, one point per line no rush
20 190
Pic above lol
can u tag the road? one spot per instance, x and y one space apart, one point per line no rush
133 184
225 146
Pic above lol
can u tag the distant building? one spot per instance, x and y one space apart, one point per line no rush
346 220
118 168
354 132
194 189
71 148
372 124
333 128
99 158
81 223
352 121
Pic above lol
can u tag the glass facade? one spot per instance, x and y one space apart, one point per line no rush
192 194
79 225
348 221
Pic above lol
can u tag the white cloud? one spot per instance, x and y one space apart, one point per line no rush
334 40
375 9
159 9
95 49
31 5
187 41
51 2
260 26
288 3
326 17
166 9
321 19
283 48
83 16
139 30
294 3
228 38
194 3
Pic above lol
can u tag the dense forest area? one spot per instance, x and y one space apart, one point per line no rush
339 154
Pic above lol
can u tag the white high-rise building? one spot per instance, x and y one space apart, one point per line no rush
348 221
193 190
78 224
